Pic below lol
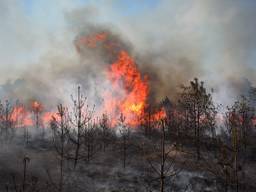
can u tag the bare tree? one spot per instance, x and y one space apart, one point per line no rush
19 116
147 121
90 135
60 127
124 131
37 109
25 162
26 183
199 110
104 126
7 121
245 113
239 123
79 119
162 159
222 166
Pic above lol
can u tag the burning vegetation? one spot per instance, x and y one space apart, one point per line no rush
128 93
137 144
129 90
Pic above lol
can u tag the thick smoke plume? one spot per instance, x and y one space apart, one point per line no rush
171 43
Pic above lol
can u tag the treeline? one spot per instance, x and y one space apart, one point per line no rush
194 135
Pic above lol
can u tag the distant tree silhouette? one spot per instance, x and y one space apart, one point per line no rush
124 131
199 110
79 119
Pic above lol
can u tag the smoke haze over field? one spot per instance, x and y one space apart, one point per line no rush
171 41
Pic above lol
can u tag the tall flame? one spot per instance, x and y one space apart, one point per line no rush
129 90
127 94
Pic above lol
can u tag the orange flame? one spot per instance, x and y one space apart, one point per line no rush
23 117
48 116
129 91
159 115
36 107
91 40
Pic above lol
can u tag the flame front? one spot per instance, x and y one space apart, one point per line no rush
128 93
129 90
22 116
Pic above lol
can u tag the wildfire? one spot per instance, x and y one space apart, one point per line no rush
129 89
36 107
22 116
91 40
127 95
159 115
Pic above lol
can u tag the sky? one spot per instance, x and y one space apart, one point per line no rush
212 39
29 25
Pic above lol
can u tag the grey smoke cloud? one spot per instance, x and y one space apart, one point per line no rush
172 43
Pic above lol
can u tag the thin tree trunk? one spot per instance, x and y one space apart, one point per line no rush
76 153
236 173
62 155
24 184
79 126
162 177
226 179
198 135
124 152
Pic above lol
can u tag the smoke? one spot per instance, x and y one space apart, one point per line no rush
172 42
213 40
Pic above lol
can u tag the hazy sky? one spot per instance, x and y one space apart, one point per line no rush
29 26
217 37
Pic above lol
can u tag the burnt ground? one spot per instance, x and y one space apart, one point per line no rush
105 172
